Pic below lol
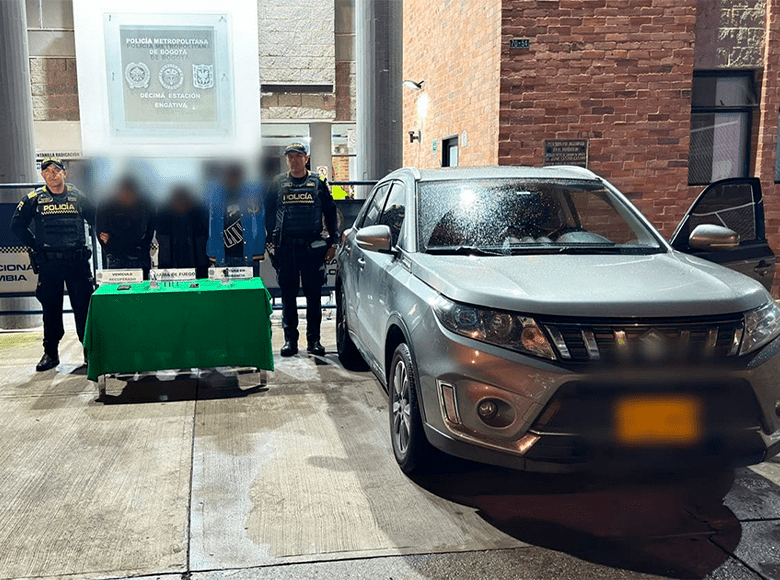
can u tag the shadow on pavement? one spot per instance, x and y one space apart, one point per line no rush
665 526
185 386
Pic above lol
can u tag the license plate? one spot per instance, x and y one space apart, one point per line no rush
658 420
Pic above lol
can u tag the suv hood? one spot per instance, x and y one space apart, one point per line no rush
604 286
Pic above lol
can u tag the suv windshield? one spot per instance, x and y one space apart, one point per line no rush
515 216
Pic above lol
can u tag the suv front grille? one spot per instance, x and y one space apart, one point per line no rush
646 341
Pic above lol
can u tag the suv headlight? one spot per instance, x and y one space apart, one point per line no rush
761 326
504 329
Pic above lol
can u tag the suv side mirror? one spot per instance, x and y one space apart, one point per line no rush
712 237
374 238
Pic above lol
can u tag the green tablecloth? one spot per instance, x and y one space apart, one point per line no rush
177 327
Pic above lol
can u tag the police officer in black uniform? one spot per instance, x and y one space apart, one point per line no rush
295 205
58 252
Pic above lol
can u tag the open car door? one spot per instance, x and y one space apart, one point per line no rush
736 204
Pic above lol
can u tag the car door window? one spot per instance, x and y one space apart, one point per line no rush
734 204
374 209
394 211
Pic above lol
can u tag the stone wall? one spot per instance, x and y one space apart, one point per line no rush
306 59
296 40
52 61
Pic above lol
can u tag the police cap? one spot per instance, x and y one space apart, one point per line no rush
296 147
52 161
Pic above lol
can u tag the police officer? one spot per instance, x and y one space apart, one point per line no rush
295 205
58 252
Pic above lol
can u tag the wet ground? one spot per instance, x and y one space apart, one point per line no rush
209 474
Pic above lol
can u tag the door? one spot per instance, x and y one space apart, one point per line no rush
379 271
736 204
357 282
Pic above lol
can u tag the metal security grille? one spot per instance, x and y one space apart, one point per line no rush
651 341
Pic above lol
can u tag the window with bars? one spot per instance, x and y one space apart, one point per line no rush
721 115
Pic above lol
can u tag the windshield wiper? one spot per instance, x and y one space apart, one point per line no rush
601 249
463 251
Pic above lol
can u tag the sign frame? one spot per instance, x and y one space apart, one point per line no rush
566 152
219 26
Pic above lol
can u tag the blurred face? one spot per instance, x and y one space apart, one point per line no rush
54 178
297 163
127 196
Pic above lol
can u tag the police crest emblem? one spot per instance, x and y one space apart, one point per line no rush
171 76
137 75
203 76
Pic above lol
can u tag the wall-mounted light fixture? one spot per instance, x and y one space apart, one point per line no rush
412 85
414 136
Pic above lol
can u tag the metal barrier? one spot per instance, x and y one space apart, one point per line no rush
347 212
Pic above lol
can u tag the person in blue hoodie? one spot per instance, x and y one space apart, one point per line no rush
236 220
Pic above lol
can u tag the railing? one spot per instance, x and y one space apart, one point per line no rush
348 208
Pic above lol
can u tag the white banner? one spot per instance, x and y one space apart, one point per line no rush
16 274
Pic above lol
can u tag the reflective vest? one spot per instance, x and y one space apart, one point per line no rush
299 208
58 220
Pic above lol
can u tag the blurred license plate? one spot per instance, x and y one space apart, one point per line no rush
656 420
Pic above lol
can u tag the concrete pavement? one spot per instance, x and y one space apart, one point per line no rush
210 475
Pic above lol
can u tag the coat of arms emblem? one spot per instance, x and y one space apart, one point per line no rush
203 76
137 75
171 76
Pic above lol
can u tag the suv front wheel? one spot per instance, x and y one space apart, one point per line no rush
410 446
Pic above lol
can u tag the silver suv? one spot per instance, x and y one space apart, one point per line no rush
533 318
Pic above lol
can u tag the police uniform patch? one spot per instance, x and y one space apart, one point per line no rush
32 194
298 197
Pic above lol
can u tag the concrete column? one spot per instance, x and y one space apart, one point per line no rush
379 103
17 144
321 147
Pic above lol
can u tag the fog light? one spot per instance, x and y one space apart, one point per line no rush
487 409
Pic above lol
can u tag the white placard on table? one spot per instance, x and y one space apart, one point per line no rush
231 273
130 276
172 274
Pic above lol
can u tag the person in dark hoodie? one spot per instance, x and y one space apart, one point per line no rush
182 230
125 227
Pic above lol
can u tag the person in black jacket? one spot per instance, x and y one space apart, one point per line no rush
182 231
295 207
58 253
125 227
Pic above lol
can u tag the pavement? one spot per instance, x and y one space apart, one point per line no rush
209 474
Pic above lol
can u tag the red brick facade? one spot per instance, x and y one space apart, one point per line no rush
453 46
617 73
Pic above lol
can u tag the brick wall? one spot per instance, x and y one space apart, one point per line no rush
452 45
766 147
729 34
615 72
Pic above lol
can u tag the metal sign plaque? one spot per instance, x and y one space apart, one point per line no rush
520 43
175 78
568 152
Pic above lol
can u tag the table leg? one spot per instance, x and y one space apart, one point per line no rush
101 384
